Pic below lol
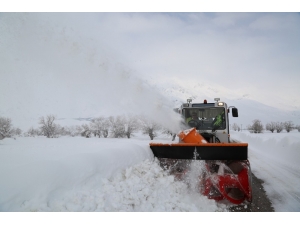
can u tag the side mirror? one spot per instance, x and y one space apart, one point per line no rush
235 112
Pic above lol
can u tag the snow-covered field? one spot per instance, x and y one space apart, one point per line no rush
77 174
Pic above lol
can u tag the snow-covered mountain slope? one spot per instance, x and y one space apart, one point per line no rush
249 109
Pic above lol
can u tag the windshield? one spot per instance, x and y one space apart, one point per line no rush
206 118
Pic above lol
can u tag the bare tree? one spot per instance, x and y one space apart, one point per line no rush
32 132
149 127
279 126
105 127
6 129
18 132
100 126
131 125
117 125
48 127
86 131
271 126
288 126
78 129
256 127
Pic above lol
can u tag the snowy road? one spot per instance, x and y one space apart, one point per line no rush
286 180
260 200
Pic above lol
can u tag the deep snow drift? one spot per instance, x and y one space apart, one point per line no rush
80 174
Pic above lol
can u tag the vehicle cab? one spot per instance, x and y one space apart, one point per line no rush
210 119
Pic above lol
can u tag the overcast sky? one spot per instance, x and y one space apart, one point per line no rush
83 64
252 53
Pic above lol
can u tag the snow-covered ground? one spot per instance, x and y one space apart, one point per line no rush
275 159
79 174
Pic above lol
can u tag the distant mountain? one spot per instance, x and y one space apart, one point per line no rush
249 110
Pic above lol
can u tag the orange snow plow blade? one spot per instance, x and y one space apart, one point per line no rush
196 147
209 151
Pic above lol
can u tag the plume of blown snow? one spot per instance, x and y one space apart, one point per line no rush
61 64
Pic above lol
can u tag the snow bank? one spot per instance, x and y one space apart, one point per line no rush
144 187
80 174
274 158
284 147
34 167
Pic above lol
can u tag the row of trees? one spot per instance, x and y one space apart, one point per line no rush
258 127
116 127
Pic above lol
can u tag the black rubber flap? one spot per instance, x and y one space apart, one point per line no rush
201 152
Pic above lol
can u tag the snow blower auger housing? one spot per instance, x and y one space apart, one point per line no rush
226 175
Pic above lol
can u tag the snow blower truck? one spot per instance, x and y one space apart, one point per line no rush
226 174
